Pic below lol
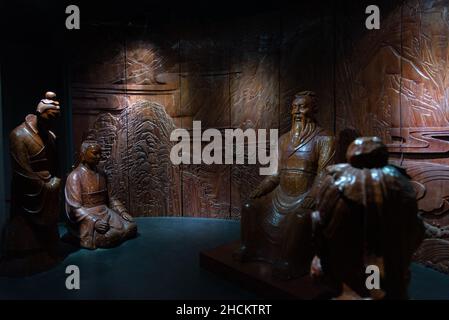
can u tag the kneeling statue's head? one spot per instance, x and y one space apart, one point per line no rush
90 153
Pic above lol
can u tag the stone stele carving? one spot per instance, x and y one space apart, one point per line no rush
275 224
31 235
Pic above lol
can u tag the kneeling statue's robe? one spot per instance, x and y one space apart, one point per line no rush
87 201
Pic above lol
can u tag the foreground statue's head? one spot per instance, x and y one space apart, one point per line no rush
48 109
304 106
367 152
90 153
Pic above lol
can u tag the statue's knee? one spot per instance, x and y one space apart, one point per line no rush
131 229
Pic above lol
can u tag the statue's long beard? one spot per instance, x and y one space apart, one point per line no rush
307 128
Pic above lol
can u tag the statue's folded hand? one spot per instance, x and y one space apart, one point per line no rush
101 226
127 217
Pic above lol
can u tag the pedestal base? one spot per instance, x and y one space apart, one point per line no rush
257 276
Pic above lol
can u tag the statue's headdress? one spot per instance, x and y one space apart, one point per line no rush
48 103
313 99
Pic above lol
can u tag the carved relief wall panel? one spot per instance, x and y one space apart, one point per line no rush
137 84
393 83
307 60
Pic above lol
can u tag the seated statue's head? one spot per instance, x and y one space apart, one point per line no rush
367 152
90 153
48 109
304 106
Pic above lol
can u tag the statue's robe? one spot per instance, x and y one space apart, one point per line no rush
87 201
276 228
366 215
31 235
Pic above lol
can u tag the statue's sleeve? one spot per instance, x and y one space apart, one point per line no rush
20 158
326 157
272 181
74 204
36 193
327 153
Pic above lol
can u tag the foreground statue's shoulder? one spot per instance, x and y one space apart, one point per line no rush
325 135
74 175
394 170
18 132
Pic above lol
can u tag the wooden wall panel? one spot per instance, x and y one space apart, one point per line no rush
392 83
254 67
368 73
204 55
425 120
307 63
154 182
242 72
254 90
97 75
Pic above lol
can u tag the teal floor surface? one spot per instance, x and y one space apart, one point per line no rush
162 263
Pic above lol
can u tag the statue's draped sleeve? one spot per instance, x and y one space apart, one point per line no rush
74 203
326 157
327 153
34 192
77 214
270 182
20 158
86 203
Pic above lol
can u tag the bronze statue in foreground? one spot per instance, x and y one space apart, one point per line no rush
366 215
95 219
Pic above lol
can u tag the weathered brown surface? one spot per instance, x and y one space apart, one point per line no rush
95 217
31 234
206 190
241 71
257 276
137 146
393 83
311 39
275 224
366 213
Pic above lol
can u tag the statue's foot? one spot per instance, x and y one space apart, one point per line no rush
241 254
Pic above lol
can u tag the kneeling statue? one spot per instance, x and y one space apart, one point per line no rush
96 219
275 224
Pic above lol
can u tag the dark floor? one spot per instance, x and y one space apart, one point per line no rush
162 263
